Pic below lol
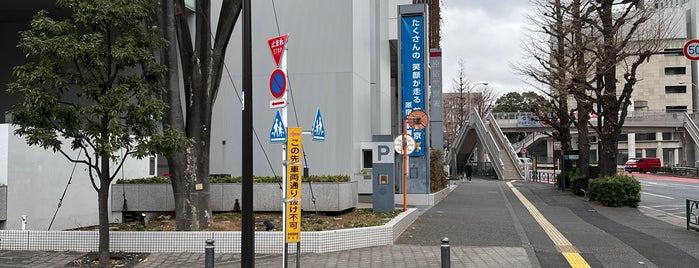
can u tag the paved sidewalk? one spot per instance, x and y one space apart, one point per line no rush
488 226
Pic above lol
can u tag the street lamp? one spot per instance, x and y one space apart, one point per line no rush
469 92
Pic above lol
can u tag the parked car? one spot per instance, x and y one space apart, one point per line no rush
642 165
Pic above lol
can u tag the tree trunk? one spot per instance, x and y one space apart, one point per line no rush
191 202
610 132
583 139
103 208
608 155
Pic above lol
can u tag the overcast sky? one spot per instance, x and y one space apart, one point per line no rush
488 36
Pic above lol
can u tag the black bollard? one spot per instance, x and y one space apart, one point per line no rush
446 258
209 254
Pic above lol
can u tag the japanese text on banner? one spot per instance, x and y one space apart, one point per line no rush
293 186
413 73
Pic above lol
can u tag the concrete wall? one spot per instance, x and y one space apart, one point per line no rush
330 66
3 203
4 144
338 60
36 179
158 197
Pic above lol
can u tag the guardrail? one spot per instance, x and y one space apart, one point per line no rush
692 207
509 149
691 128
543 176
678 171
489 142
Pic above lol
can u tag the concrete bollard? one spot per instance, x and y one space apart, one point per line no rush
209 254
446 258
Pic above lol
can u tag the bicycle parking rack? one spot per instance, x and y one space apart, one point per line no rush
692 207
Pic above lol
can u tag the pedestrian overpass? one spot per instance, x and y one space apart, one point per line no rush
489 132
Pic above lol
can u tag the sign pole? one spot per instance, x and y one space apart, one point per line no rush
405 165
285 176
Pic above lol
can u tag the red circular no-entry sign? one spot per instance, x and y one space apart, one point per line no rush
277 83
691 49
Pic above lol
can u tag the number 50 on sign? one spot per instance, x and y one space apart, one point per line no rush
691 49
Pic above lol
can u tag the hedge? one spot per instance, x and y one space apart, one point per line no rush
615 191
267 179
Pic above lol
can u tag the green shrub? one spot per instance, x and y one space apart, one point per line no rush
559 176
438 178
578 183
267 179
615 191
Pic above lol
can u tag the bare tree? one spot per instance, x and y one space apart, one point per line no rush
484 100
201 60
628 34
549 68
455 108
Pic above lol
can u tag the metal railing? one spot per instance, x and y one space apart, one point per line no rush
508 146
692 208
543 176
488 142
691 128
529 140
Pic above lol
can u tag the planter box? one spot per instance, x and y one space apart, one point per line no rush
3 203
423 199
330 196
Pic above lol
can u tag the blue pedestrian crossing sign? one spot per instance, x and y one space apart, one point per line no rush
318 127
278 131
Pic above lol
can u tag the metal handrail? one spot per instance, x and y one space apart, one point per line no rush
691 128
529 139
509 149
692 218
489 143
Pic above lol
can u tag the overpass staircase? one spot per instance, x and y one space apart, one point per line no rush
691 128
500 152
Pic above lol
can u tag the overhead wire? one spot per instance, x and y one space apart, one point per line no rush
65 190
293 104
235 89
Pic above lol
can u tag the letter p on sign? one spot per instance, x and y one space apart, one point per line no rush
383 152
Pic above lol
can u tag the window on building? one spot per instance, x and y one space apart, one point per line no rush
621 158
651 153
593 155
623 137
675 89
675 109
151 166
645 136
669 136
367 161
673 52
675 70
669 157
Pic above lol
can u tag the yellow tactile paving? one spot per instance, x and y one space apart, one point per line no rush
569 251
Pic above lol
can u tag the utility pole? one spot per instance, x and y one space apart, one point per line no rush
248 225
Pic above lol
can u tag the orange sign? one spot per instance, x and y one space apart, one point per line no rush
293 185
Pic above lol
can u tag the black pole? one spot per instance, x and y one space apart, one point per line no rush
248 228
209 254
446 255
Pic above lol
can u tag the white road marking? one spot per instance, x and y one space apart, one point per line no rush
657 195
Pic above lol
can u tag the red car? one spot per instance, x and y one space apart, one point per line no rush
642 165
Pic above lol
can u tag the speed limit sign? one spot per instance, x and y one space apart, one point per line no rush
691 49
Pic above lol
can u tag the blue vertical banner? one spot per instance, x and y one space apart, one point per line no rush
413 73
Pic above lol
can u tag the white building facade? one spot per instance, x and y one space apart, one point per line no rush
341 59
